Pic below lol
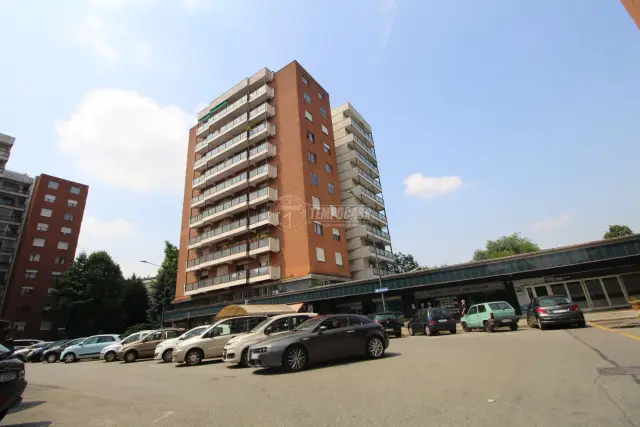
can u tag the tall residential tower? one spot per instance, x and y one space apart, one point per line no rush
261 191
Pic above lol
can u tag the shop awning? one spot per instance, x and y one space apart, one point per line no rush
249 309
296 307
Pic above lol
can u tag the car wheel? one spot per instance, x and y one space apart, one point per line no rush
513 326
453 331
428 332
411 333
465 327
130 356
69 358
167 356
295 359
488 327
193 357
540 325
110 356
52 358
244 358
375 348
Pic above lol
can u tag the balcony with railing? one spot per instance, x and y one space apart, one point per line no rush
361 147
370 198
261 131
15 219
381 254
264 218
351 124
266 244
234 145
378 234
260 274
220 233
375 216
13 190
223 169
366 180
262 152
223 189
222 256
224 133
263 195
261 112
216 119
217 282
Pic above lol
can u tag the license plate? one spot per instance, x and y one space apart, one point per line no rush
389 329
506 320
254 356
566 310
442 321
8 376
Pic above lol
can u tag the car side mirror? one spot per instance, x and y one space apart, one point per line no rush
268 330
322 329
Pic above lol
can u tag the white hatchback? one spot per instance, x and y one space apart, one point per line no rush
164 350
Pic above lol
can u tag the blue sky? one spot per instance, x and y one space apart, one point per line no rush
505 115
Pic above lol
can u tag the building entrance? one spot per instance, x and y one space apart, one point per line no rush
592 293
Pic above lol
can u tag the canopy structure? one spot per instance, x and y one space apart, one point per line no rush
253 309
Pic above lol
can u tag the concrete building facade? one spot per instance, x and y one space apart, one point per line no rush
367 233
261 193
47 248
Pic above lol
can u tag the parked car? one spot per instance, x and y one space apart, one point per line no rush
12 381
146 347
489 316
554 310
35 355
164 350
211 343
431 321
52 354
21 343
392 324
237 349
109 353
320 339
89 348
23 352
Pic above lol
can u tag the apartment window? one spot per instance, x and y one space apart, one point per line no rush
66 230
34 257
59 260
320 94
323 112
320 254
68 217
338 258
308 115
315 181
325 130
315 202
307 98
310 137
72 203
63 245
26 291
19 326
38 242
304 80
30 274
312 157
42 226
317 228
327 148
75 190
331 188
336 234
55 277
328 168
46 212
334 211
49 198
46 325
53 185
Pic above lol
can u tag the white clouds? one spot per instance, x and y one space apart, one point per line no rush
388 11
92 33
426 187
127 141
552 224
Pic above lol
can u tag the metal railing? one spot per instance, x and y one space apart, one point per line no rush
220 166
217 188
361 129
242 223
380 215
381 252
260 271
372 194
375 181
257 244
222 113
217 280
378 232
239 248
223 129
219 208
364 146
220 148
367 162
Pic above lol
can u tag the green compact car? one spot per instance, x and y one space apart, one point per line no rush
490 315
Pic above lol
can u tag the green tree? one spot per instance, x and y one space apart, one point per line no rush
135 301
617 231
89 295
404 263
164 286
513 244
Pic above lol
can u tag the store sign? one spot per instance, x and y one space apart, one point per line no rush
459 290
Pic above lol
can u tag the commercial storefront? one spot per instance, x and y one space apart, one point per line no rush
597 275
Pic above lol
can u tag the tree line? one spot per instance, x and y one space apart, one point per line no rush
93 296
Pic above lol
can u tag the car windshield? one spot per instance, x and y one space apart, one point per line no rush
132 338
40 345
553 301
385 316
260 325
193 333
499 306
310 324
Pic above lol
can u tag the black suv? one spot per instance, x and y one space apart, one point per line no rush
431 321
389 322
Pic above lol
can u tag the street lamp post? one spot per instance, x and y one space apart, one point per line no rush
164 293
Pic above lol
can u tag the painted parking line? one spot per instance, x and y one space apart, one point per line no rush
633 337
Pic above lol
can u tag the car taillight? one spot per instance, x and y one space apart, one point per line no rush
575 307
378 322
492 316
432 322
541 310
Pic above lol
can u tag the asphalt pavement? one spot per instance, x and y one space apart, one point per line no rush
523 378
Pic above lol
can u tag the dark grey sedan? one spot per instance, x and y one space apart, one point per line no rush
321 339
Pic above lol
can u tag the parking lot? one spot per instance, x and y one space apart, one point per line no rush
524 378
